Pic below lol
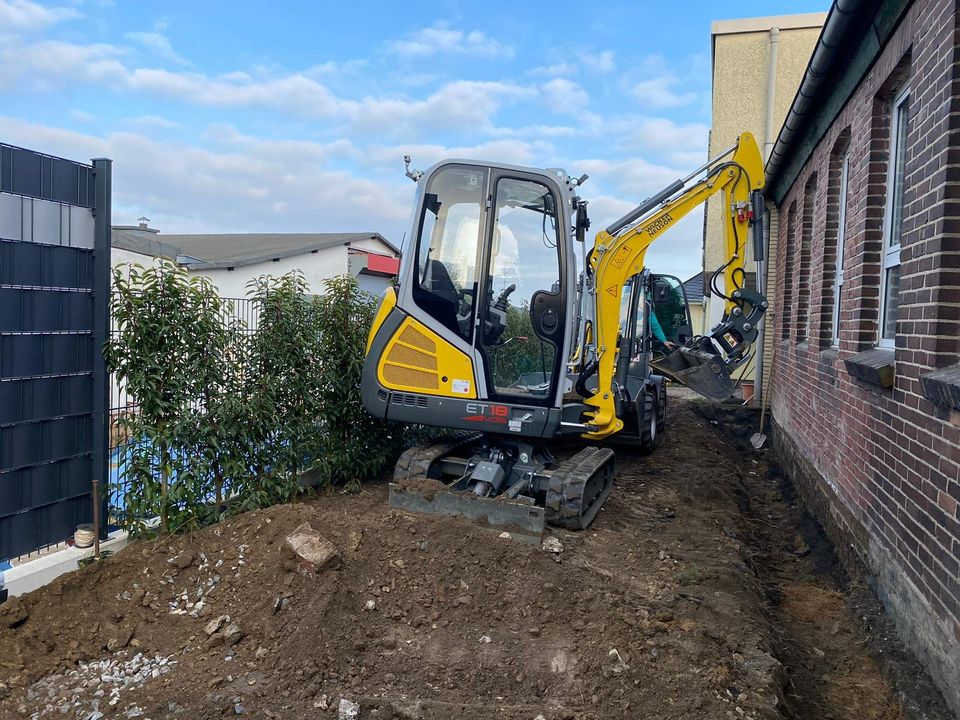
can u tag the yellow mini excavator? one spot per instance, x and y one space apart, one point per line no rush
498 333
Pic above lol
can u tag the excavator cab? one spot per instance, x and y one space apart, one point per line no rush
670 305
480 329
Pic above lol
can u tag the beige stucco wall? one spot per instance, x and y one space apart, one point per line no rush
741 54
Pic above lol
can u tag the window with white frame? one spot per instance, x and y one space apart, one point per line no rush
841 237
893 220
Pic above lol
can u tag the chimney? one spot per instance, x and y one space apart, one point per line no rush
144 222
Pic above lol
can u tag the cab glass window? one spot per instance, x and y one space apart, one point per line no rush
449 246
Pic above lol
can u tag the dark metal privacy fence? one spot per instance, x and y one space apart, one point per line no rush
54 292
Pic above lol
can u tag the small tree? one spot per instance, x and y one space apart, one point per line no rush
218 437
167 351
353 444
282 386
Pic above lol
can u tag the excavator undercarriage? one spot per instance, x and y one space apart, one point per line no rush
461 474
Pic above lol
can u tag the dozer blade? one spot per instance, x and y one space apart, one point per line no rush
700 371
523 522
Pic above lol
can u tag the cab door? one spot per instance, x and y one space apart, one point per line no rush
522 317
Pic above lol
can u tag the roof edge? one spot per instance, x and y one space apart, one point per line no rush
282 254
763 24
839 43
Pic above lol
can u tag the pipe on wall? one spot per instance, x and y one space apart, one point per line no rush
839 22
768 138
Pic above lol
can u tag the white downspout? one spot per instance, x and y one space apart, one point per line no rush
768 141
769 138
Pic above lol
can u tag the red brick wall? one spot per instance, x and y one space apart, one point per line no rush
891 457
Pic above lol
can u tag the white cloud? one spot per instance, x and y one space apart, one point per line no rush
443 39
565 96
243 186
455 105
511 152
44 63
153 121
632 135
598 62
659 93
458 105
563 68
82 116
292 93
159 44
26 15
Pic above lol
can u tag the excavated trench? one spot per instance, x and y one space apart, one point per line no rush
701 591
841 654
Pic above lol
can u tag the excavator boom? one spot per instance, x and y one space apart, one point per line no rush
704 363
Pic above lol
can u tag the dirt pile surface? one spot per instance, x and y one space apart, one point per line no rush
664 608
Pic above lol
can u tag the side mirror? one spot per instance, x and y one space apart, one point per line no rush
583 222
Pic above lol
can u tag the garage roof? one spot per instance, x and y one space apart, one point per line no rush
221 250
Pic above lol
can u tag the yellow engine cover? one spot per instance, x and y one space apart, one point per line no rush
417 360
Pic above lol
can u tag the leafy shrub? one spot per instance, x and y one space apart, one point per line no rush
352 445
282 386
228 417
170 349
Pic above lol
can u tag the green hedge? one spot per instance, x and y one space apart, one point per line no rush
228 417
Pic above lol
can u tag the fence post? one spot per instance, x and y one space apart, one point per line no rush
103 188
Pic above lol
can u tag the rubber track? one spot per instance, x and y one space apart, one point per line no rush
415 462
564 502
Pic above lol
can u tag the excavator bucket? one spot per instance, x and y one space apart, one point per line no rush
524 522
702 372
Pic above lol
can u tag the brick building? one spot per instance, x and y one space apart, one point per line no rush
865 179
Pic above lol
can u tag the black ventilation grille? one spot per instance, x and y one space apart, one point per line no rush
408 400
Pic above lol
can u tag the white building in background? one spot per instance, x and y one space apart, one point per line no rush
232 260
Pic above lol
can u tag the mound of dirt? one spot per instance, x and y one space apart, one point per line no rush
653 612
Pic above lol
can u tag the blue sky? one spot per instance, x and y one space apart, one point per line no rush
294 116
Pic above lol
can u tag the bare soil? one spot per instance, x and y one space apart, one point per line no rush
693 595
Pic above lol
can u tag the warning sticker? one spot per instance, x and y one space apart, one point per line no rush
620 257
612 290
515 425
461 386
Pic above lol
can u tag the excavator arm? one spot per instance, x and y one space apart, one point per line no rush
704 363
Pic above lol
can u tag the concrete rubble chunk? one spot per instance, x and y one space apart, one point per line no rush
613 664
348 710
218 622
232 634
552 544
306 551
183 560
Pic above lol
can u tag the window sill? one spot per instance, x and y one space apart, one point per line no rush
829 354
874 367
942 387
